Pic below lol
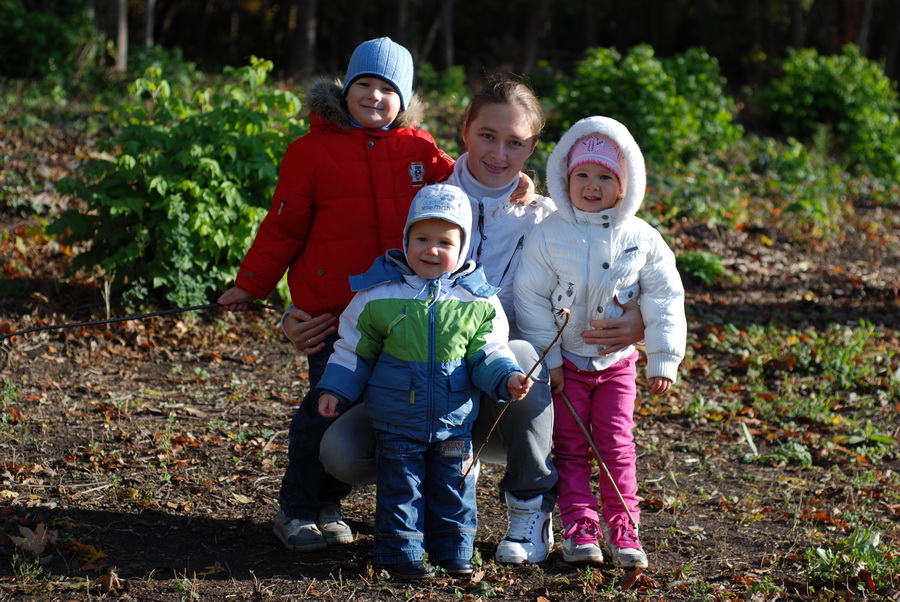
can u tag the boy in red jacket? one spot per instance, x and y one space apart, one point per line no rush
342 198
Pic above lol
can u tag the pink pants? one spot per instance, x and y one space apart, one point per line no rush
605 403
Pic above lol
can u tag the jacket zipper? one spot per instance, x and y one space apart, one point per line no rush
518 248
431 361
482 237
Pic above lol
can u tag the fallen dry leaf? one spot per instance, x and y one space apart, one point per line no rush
211 570
638 577
630 578
35 541
110 582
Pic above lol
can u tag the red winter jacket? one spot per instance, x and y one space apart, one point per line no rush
341 201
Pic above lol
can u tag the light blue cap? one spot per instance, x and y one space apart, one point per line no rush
446 202
385 59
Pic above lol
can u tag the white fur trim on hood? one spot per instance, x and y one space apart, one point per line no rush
558 164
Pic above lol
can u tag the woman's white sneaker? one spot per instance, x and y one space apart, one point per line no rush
298 534
529 536
332 526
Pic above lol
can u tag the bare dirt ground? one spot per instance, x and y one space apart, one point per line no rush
142 460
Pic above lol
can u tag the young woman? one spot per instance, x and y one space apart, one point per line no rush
500 131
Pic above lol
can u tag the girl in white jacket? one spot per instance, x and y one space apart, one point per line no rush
587 258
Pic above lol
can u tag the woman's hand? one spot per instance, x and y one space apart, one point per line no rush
307 333
518 386
659 385
557 380
524 191
235 299
617 333
328 405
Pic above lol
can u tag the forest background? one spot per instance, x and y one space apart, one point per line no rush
139 147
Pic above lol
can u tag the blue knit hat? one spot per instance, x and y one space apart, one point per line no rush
384 59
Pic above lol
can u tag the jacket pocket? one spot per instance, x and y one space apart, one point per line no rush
563 296
389 395
629 293
459 404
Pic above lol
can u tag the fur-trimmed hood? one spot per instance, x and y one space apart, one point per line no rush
558 164
325 98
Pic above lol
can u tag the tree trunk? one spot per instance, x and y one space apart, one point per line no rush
234 31
890 67
537 24
446 35
865 27
150 23
121 35
428 44
303 40
401 24
798 24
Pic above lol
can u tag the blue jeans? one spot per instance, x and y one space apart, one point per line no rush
422 502
306 486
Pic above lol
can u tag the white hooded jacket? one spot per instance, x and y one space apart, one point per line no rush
582 261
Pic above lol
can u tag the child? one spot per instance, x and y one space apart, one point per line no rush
423 332
587 256
342 196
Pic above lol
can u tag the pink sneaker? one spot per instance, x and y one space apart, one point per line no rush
581 542
623 544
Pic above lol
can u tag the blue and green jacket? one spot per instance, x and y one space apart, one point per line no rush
420 350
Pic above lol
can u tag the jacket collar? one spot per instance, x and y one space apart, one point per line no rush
392 267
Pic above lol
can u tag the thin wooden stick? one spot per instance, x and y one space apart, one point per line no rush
164 312
563 312
590 441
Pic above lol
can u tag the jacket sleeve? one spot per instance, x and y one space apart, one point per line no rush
489 358
347 371
534 282
662 306
283 232
441 164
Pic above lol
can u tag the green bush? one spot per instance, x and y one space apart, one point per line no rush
33 44
675 108
176 198
704 265
800 190
848 93
803 186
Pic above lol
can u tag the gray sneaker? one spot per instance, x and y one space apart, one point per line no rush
332 526
581 542
623 544
298 534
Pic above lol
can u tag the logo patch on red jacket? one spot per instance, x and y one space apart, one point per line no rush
416 173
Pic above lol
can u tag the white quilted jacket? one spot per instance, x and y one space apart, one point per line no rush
581 261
